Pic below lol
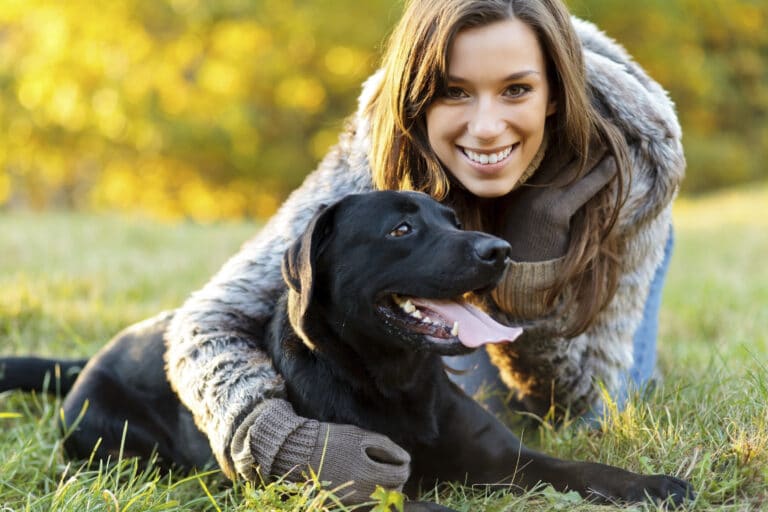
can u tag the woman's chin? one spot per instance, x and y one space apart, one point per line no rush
487 190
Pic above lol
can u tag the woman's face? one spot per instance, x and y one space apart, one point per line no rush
489 123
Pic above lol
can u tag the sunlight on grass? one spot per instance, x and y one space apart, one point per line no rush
70 281
731 207
717 288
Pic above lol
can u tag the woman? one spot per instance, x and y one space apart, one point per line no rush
534 126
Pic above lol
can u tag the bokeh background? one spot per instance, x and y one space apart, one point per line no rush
191 109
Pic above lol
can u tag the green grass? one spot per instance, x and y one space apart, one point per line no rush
70 281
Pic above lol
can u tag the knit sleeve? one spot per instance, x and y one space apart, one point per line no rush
214 359
546 369
522 291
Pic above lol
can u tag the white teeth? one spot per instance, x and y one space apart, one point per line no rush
407 306
485 158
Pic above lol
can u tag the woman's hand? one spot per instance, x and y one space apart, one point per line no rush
281 443
536 218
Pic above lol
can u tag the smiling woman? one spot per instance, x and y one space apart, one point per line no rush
488 125
587 160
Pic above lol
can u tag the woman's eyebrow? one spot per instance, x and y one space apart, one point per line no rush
514 76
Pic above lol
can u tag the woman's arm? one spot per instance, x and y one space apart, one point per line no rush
214 360
547 369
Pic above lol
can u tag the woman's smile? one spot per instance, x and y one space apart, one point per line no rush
488 161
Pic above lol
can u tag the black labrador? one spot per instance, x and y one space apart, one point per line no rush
377 289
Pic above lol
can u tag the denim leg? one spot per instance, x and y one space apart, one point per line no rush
644 342
478 373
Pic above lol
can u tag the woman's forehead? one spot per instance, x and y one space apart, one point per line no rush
500 49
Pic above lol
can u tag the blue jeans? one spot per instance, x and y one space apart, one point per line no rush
479 372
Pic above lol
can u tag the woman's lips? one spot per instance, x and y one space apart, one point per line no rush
489 167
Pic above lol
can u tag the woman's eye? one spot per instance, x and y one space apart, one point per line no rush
455 93
401 230
515 91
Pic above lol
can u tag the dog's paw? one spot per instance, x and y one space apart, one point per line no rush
664 488
656 488
425 506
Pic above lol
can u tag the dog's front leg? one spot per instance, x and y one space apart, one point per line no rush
476 448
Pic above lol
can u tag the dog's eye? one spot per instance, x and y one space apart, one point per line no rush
402 229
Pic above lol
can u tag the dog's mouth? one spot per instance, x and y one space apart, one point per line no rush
448 324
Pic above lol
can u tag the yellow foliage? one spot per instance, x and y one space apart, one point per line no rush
5 188
170 190
343 60
31 91
221 77
322 141
19 132
208 110
116 187
239 39
300 92
108 112
65 106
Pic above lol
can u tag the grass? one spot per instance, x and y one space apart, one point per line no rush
70 281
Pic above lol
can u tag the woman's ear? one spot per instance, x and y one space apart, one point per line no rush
551 107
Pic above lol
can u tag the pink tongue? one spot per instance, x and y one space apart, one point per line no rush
475 327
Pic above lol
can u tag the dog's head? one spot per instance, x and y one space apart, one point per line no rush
389 270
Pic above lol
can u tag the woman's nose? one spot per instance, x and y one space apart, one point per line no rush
486 122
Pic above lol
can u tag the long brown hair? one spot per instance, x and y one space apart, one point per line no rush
415 70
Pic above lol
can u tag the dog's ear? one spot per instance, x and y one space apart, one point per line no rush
300 259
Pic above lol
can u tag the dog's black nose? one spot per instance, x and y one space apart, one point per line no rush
492 249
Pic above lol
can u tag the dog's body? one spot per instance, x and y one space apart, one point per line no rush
125 382
351 350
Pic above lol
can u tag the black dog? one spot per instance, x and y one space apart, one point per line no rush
376 298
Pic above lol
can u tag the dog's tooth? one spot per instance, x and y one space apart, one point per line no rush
455 330
416 314
427 320
408 307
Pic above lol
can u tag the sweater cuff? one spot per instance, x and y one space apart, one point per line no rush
272 441
522 292
297 450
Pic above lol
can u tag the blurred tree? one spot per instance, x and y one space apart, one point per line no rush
712 56
178 107
218 109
